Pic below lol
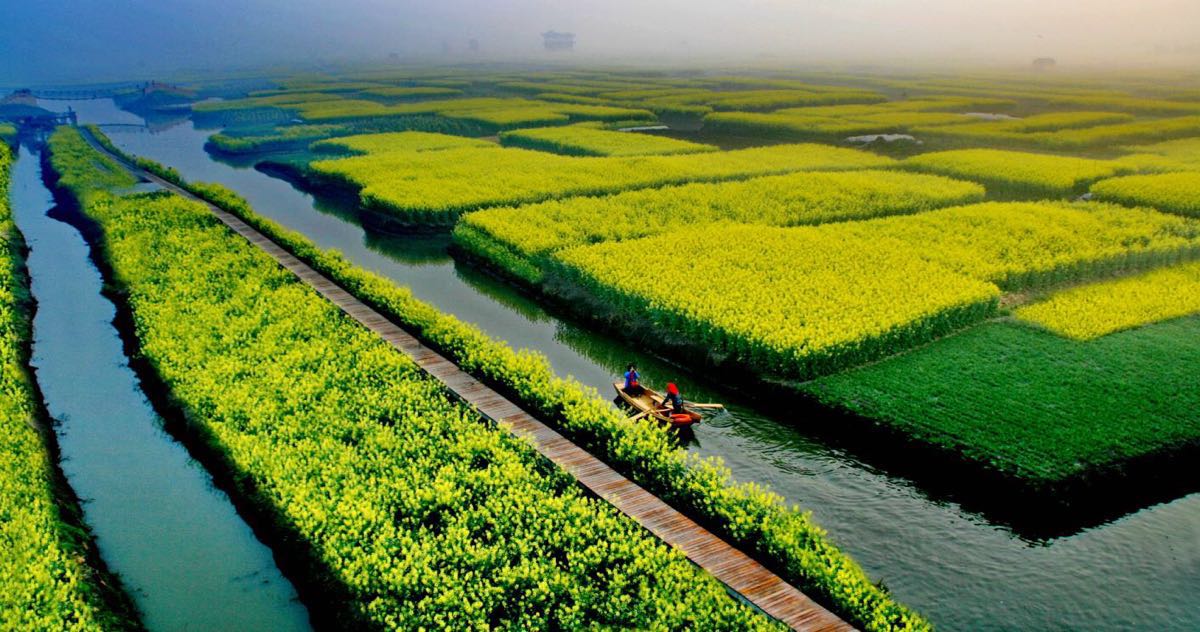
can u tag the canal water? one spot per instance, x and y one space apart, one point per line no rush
954 565
183 553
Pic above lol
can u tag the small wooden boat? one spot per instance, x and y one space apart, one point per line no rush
650 404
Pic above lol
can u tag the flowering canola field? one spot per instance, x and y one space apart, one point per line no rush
799 302
434 187
1022 245
1173 192
580 140
810 300
514 238
1036 174
1099 309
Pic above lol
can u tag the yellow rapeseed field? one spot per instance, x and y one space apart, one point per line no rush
1098 309
800 301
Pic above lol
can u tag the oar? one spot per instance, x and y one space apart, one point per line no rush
695 405
639 415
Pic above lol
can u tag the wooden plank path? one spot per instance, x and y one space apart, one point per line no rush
735 569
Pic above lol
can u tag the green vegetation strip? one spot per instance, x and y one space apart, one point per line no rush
748 515
427 515
1032 405
288 137
45 580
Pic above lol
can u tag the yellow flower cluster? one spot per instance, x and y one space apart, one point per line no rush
398 142
577 140
417 92
799 302
1060 131
1019 245
841 120
1138 105
1184 151
1035 174
806 301
500 113
752 100
1173 192
514 238
1098 309
434 187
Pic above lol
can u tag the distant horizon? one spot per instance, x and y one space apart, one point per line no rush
574 61
144 38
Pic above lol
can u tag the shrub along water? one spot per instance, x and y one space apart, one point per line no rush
747 514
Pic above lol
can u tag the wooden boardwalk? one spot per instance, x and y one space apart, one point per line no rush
735 569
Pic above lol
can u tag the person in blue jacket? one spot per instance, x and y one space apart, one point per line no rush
632 385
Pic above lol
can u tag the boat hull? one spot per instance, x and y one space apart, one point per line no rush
650 402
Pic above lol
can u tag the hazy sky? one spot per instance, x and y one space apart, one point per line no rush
115 39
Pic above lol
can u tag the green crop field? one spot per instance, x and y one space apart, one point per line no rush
1034 405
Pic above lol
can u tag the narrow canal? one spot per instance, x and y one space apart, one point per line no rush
183 553
955 566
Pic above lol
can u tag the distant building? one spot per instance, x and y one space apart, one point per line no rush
20 97
1044 63
557 42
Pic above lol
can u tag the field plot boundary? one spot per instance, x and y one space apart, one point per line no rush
738 571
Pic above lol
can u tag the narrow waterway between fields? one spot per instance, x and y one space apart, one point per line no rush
953 565
180 548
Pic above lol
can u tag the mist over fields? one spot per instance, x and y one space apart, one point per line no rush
98 40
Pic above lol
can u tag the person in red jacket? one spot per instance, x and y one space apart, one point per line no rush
673 402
